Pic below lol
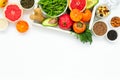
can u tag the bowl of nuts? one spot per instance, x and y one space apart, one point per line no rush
115 22
103 11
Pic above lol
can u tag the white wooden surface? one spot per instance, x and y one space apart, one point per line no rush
43 54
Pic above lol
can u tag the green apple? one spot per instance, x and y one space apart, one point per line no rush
3 3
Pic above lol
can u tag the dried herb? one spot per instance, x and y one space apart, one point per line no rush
27 3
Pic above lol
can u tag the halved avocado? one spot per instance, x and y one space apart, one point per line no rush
50 22
91 3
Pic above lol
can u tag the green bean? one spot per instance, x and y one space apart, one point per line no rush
53 7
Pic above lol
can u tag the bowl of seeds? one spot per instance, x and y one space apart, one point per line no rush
27 4
100 28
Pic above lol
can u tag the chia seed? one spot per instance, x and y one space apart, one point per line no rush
112 35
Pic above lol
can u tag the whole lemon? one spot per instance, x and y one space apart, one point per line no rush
3 3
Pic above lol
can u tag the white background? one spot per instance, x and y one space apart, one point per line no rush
42 54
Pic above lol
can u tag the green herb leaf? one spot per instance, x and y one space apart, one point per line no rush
85 37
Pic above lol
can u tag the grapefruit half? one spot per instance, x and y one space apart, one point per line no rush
13 12
77 4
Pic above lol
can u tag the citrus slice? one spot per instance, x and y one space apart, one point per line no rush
91 3
22 26
77 4
13 12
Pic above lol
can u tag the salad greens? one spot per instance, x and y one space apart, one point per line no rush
53 7
85 37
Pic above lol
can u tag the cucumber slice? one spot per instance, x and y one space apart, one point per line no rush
91 3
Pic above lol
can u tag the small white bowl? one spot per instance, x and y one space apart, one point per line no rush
95 33
28 8
111 24
98 15
112 40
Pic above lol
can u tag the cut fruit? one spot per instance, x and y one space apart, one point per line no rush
50 22
91 3
13 12
77 4
22 26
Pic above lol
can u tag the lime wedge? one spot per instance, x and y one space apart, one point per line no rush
91 3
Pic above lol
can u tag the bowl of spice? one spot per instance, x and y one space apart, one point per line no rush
103 11
112 35
115 22
99 28
53 8
27 4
